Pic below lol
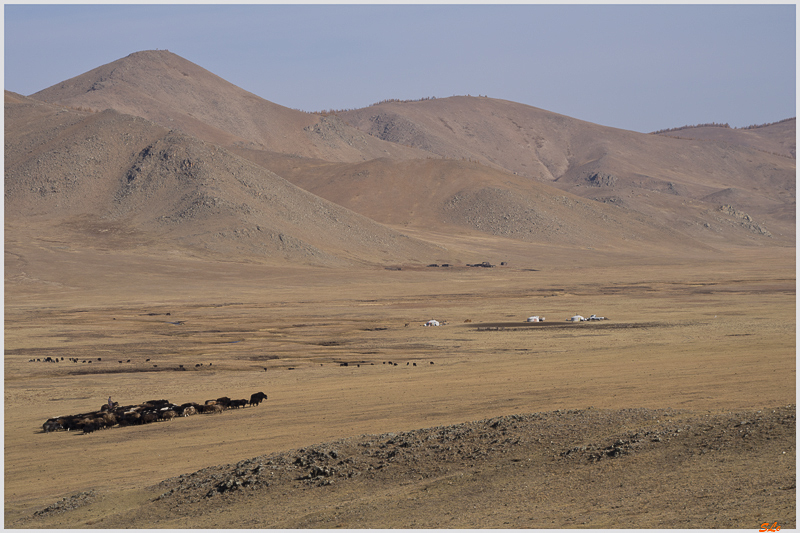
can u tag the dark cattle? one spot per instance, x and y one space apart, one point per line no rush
148 417
72 423
132 417
88 428
224 402
235 404
53 424
257 398
106 420
189 410
212 409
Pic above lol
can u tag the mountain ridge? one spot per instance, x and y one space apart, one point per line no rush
469 165
113 169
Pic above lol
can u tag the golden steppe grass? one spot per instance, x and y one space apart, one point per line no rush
710 335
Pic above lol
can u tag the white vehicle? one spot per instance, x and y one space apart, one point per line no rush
595 317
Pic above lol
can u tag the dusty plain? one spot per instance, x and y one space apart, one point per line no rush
686 340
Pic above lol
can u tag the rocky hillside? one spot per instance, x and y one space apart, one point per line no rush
463 164
670 180
178 94
630 466
464 196
94 172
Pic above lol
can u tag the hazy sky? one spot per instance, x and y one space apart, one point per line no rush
638 67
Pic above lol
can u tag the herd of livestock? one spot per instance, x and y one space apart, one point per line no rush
112 414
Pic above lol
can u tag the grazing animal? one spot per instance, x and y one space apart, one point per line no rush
52 424
257 398
132 417
148 417
167 414
212 409
224 402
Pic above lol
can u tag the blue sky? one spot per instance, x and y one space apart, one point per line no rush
637 67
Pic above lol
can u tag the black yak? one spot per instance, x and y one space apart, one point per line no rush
257 398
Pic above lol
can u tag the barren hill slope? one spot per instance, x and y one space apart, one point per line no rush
443 195
650 174
178 94
777 138
496 157
124 181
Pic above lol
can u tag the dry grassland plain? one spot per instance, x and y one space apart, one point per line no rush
708 336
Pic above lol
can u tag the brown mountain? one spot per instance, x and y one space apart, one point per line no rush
777 138
118 181
472 165
462 197
673 181
177 94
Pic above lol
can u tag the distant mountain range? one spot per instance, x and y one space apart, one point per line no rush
152 151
